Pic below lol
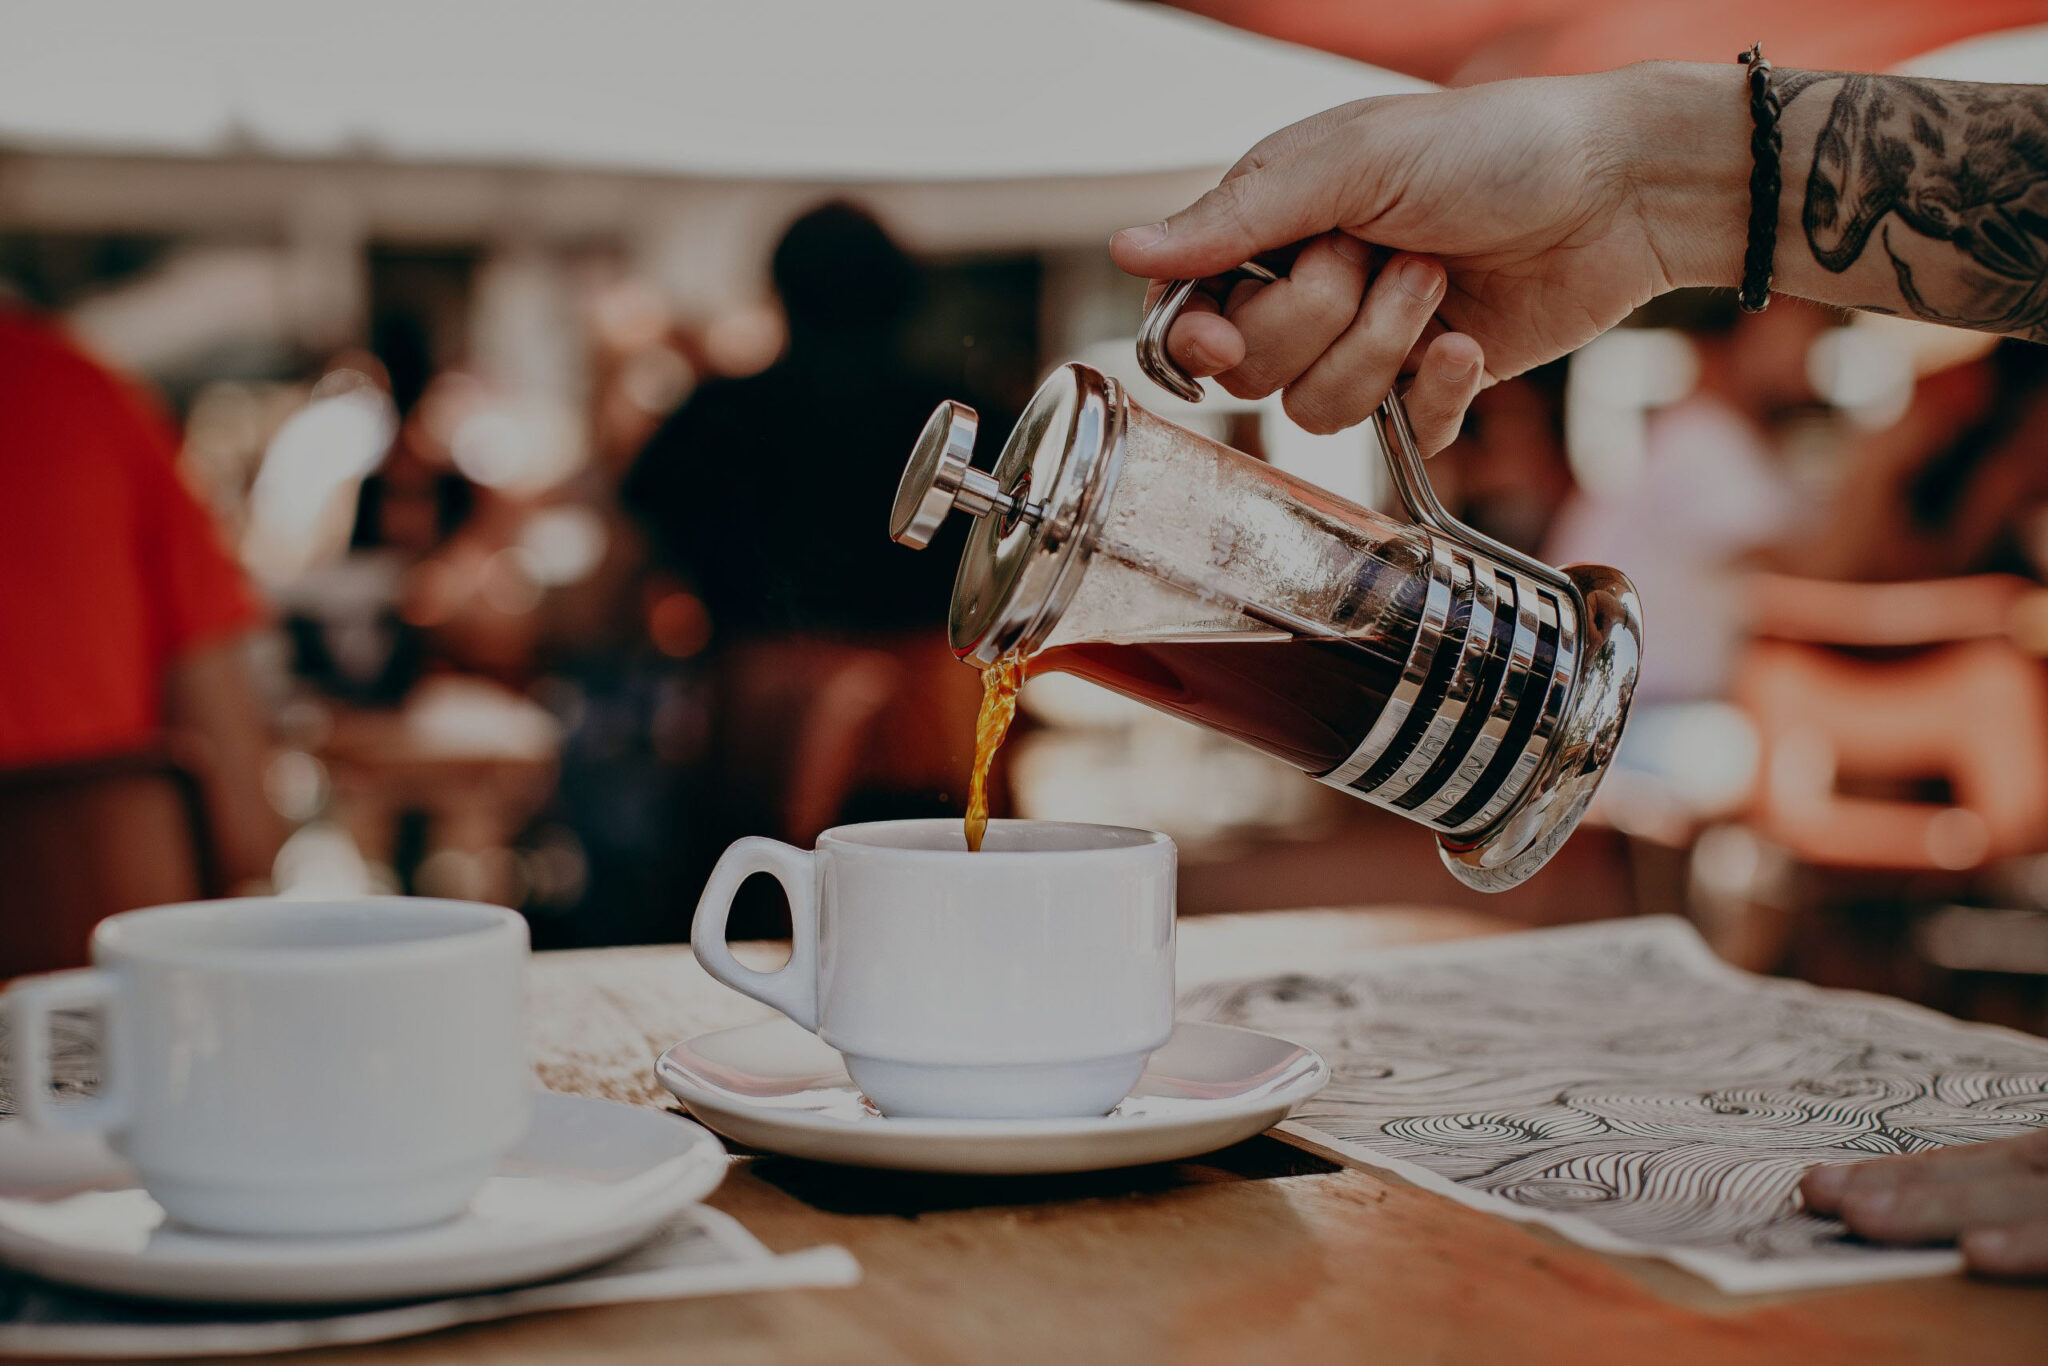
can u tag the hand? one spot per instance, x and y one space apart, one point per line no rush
1545 200
1991 1198
1334 335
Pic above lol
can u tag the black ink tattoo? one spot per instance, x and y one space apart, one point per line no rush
1953 162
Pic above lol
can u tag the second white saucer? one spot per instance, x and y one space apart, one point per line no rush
777 1087
590 1180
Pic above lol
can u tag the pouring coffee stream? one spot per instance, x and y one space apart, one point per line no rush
1419 665
999 684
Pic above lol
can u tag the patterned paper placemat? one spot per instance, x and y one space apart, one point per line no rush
1618 1083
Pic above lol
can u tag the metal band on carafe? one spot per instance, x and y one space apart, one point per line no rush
1520 617
1485 666
1424 756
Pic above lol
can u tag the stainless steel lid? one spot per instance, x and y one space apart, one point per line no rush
1037 509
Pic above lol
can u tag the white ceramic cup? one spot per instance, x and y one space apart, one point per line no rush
1029 980
296 1067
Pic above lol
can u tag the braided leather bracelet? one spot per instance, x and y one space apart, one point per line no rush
1766 145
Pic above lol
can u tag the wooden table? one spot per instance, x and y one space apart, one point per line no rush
1262 1254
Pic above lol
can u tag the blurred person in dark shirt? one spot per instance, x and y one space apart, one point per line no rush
770 492
769 495
1956 486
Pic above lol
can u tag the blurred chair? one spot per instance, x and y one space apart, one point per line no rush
80 841
1878 615
1924 753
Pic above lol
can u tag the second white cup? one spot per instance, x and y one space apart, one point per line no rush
296 1067
1030 980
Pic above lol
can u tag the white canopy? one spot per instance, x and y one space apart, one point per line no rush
814 90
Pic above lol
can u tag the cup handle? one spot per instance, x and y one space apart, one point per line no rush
792 988
29 1005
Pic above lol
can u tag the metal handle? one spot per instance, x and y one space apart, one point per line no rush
1397 437
1159 319
1411 481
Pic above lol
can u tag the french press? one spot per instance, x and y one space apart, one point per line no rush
1421 666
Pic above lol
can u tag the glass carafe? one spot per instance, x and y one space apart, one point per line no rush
1418 664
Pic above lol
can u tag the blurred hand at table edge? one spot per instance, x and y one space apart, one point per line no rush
1559 205
1990 1198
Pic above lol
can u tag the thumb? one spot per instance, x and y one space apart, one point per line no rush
1278 204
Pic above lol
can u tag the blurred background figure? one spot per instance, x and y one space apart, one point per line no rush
1955 486
834 695
126 704
761 492
1708 490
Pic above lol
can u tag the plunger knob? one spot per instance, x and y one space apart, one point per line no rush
939 479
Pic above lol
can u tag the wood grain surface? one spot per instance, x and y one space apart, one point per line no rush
1260 1254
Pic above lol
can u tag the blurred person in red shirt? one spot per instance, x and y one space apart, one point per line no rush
121 615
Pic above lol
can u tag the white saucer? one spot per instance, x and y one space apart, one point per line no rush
776 1086
590 1180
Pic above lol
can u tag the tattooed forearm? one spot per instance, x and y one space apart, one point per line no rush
1950 178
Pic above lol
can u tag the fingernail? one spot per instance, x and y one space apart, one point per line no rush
1988 1242
1421 279
1876 1202
1465 371
1150 235
1350 248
